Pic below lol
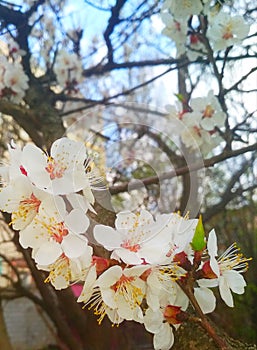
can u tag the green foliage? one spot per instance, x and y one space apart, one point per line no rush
198 241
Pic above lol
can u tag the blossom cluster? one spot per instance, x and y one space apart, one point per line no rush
49 196
201 121
13 80
68 70
185 23
156 266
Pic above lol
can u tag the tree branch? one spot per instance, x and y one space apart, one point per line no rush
113 21
183 170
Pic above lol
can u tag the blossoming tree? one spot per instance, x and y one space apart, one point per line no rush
106 191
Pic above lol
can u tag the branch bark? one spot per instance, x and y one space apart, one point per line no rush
183 170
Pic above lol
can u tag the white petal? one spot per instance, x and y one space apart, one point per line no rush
128 257
153 320
145 218
60 282
77 221
225 292
88 285
110 277
205 299
33 156
78 201
164 339
181 298
108 296
74 246
235 281
48 253
35 162
125 220
108 237
212 245
30 236
53 206
68 150
88 194
209 283
7 202
113 316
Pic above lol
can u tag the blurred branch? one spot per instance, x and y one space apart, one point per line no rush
183 170
101 69
113 21
244 77
105 100
228 195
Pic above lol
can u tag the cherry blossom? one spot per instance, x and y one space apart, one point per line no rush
23 200
123 290
228 268
227 30
65 271
68 69
181 231
136 239
91 297
176 30
14 81
54 232
183 8
206 113
63 171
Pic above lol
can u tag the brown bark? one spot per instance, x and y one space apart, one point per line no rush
191 337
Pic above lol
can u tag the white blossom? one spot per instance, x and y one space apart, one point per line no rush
54 232
136 239
68 69
228 268
64 171
227 30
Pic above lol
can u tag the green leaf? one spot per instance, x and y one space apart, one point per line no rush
198 242
180 97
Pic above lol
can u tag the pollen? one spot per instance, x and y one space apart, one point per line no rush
126 288
54 168
208 112
171 272
58 231
27 209
228 34
232 259
132 247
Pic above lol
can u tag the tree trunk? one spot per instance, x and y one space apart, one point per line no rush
192 337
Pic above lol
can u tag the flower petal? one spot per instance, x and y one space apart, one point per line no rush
235 281
125 220
110 277
108 237
225 292
74 246
48 253
205 299
164 339
77 221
